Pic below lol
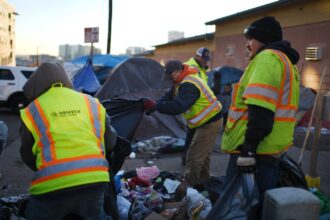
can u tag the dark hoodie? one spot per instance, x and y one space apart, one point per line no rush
285 47
41 80
261 120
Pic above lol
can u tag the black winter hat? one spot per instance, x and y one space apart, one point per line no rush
172 66
265 30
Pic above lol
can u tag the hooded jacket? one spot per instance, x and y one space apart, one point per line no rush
41 80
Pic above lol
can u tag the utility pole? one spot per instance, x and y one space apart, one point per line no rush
109 27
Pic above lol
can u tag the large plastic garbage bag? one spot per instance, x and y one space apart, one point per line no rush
125 115
197 204
13 206
290 173
239 200
123 207
214 187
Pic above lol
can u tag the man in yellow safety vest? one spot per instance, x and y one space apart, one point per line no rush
261 119
199 61
65 137
192 98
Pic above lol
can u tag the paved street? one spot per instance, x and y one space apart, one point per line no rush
15 176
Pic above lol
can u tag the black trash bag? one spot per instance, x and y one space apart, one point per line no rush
121 150
11 206
125 115
239 200
214 187
290 173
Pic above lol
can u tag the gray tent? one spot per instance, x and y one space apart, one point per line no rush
138 78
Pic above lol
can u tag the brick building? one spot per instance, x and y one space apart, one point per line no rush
306 24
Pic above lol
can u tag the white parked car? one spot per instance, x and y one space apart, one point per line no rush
12 80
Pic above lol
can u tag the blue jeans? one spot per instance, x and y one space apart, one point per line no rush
267 172
86 203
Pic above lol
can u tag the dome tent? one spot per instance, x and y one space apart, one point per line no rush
132 80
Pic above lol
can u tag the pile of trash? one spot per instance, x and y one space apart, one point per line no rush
148 193
158 145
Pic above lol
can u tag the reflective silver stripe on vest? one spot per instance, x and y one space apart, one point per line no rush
204 113
285 113
235 115
95 114
70 166
96 119
288 76
263 91
280 113
201 86
43 129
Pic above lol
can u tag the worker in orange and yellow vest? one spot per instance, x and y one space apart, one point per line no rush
191 97
65 137
199 61
261 118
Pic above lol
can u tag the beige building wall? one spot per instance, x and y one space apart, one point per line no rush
182 51
7 34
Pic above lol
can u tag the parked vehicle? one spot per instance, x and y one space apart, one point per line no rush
12 80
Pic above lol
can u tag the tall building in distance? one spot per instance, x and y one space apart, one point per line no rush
69 52
7 34
130 51
175 35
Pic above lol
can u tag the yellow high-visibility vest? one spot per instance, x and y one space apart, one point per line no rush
206 105
201 71
270 81
68 129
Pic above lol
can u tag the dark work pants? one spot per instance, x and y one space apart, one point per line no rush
87 203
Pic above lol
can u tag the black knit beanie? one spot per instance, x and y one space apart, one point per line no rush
264 30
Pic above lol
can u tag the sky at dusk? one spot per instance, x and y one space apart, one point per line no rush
43 25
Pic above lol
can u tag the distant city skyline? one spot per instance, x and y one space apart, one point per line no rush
44 25
69 52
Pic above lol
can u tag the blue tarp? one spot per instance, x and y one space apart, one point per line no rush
224 75
85 80
105 60
102 64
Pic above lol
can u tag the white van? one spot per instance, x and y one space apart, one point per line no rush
12 80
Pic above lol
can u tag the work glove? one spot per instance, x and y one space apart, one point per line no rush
149 106
246 162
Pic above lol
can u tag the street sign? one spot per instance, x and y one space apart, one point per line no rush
91 35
